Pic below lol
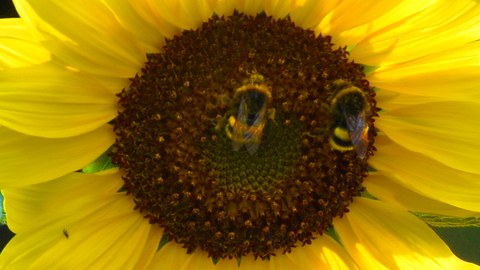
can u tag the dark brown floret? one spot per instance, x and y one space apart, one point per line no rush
179 165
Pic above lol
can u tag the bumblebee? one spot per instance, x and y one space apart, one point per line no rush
349 107
246 126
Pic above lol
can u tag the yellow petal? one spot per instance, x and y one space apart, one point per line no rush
143 30
25 204
452 74
27 160
352 13
442 26
114 85
426 176
87 37
173 256
281 262
308 14
381 185
103 228
184 14
389 100
149 14
227 264
17 45
323 253
381 236
115 236
252 7
53 102
390 19
226 7
279 8
445 131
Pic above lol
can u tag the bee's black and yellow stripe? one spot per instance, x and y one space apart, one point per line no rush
348 100
340 139
261 88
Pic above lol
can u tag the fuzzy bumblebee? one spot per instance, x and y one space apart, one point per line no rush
349 130
245 128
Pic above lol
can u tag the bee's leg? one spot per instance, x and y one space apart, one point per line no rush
252 147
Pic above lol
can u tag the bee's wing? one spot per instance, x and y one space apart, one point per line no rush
252 147
239 128
236 145
357 128
245 134
254 133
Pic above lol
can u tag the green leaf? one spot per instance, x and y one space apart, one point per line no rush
332 233
3 215
102 163
449 222
369 69
165 239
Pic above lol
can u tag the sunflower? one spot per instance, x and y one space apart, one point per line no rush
243 134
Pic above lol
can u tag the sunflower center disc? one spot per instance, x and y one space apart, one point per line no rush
235 138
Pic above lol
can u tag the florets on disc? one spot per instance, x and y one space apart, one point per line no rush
187 123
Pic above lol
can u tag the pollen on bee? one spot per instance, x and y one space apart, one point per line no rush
271 114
